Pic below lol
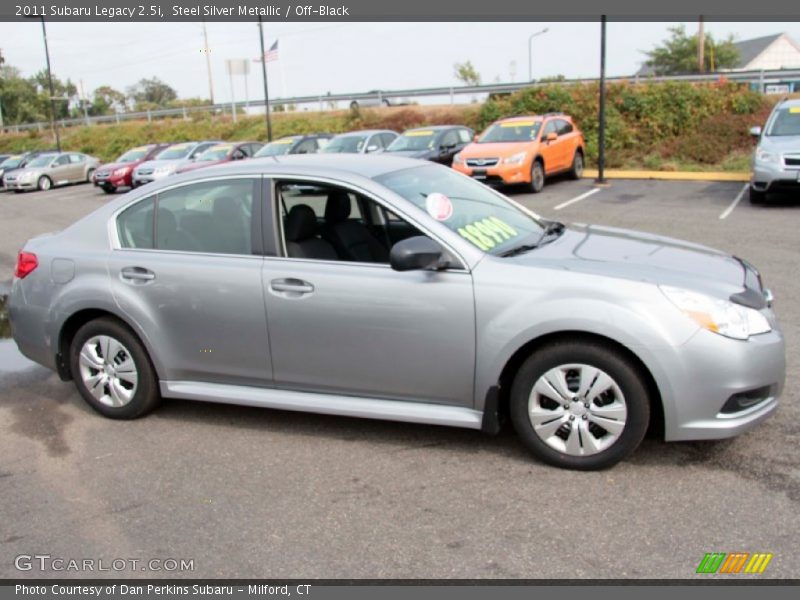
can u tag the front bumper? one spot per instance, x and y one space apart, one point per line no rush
773 177
20 185
102 180
498 174
709 373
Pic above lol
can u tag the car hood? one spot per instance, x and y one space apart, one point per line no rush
114 166
410 153
199 164
640 256
167 162
782 143
501 149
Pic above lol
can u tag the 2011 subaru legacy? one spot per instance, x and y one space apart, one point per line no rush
380 287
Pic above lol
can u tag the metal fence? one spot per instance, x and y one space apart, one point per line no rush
762 79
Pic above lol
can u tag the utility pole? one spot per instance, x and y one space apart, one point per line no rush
701 46
53 122
83 103
264 75
208 64
601 137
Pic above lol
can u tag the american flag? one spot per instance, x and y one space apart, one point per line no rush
272 53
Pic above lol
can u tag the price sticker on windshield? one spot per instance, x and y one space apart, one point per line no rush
487 233
439 206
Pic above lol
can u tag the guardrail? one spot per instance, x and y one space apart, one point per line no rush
762 77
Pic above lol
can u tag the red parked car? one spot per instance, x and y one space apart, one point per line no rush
222 153
119 174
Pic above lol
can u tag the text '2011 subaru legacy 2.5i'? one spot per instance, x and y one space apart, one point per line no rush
380 287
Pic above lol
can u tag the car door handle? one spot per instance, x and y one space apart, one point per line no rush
137 274
291 286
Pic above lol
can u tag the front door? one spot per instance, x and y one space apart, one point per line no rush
360 328
192 282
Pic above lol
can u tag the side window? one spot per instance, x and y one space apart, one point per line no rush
322 142
211 217
450 138
326 222
387 138
375 141
200 149
464 136
550 127
77 158
239 153
135 225
308 146
61 161
564 127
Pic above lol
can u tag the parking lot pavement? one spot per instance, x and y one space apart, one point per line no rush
252 493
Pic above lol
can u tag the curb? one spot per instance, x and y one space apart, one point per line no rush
672 175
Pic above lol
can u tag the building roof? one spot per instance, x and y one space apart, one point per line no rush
749 50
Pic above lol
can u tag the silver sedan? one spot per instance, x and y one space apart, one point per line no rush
384 288
52 169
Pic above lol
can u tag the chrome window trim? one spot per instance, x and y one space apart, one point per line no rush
371 196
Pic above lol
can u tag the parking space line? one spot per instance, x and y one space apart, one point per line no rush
736 201
576 199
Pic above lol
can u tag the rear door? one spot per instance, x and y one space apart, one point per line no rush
77 167
60 169
186 267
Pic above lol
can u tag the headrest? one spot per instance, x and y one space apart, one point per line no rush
301 223
337 208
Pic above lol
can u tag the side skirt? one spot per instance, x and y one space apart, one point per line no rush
328 404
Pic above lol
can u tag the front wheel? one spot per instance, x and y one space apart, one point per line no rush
112 371
44 183
537 177
576 171
579 405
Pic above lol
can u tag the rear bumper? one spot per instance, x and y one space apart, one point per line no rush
29 328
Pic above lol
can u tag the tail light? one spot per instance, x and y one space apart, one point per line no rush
26 263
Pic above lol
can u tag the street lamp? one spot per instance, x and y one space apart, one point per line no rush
53 123
530 51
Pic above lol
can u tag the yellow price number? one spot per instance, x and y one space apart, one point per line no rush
487 233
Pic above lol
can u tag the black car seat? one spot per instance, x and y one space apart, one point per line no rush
351 239
169 236
301 230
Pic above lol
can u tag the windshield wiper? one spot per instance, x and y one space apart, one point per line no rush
519 250
552 228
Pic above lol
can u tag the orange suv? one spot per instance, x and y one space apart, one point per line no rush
524 150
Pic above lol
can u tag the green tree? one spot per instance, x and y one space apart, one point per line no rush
466 73
149 93
64 92
19 97
107 101
678 54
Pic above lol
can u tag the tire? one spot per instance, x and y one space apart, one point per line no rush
109 189
757 197
89 174
576 171
125 383
557 440
537 177
44 183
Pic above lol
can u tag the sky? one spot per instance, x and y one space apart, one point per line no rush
316 58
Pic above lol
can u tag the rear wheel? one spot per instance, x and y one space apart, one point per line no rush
579 405
757 197
576 171
44 183
537 177
89 175
112 371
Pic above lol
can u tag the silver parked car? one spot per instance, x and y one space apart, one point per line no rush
367 141
51 169
776 160
169 160
380 287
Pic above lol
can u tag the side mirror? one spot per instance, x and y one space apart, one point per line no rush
755 131
552 136
416 253
372 148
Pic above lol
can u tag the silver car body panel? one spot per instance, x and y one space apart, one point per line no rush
426 346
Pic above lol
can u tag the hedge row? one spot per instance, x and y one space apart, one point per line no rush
647 124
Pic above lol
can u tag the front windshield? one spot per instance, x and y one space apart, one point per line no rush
347 144
278 147
41 161
419 139
511 131
215 153
133 155
481 216
786 122
175 152
12 162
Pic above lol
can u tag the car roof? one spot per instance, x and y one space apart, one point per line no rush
437 128
790 102
364 132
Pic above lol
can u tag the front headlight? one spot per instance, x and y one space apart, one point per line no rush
716 315
516 159
764 156
164 170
